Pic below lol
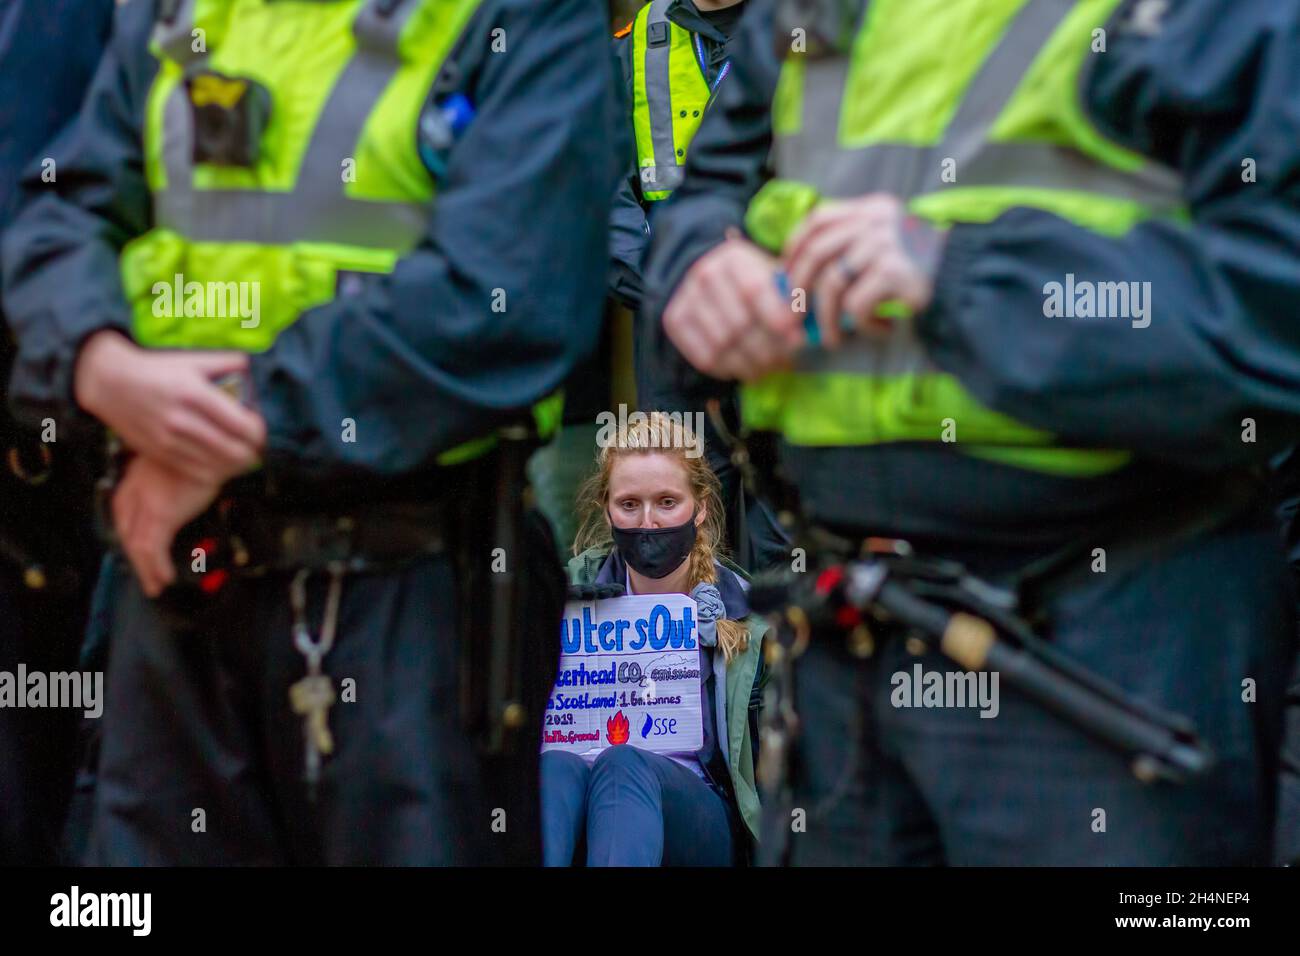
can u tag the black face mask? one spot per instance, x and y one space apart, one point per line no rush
655 552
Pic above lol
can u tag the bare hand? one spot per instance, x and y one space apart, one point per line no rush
150 505
163 405
727 317
858 254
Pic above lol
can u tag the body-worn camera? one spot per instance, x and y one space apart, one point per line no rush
230 116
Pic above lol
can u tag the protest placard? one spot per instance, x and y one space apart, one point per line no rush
629 675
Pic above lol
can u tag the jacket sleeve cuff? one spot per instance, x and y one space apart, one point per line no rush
43 381
268 401
964 245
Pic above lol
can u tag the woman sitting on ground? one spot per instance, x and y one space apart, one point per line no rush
652 522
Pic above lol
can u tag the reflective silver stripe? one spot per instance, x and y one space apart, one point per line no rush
338 130
317 209
1063 169
280 219
910 171
174 206
664 175
802 154
176 39
662 178
998 78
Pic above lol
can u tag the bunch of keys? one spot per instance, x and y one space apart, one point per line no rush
312 696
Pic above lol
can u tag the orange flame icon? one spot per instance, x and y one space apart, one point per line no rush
617 729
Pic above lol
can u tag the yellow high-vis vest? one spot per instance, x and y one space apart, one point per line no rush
337 184
963 110
669 96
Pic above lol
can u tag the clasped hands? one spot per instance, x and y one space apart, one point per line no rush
189 438
730 320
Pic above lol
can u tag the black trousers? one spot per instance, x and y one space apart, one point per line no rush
1205 631
38 746
203 757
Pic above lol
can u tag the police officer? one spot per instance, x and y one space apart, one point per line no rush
675 56
941 177
319 268
672 55
47 549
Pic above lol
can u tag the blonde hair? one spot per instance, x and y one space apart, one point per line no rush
661 434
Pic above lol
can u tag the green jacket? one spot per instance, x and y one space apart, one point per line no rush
741 696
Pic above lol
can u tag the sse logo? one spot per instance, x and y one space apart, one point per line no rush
658 727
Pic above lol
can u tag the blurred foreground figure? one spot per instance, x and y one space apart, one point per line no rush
48 52
1287 481
319 267
1012 280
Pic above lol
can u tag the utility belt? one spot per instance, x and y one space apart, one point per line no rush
243 536
1126 541
256 540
